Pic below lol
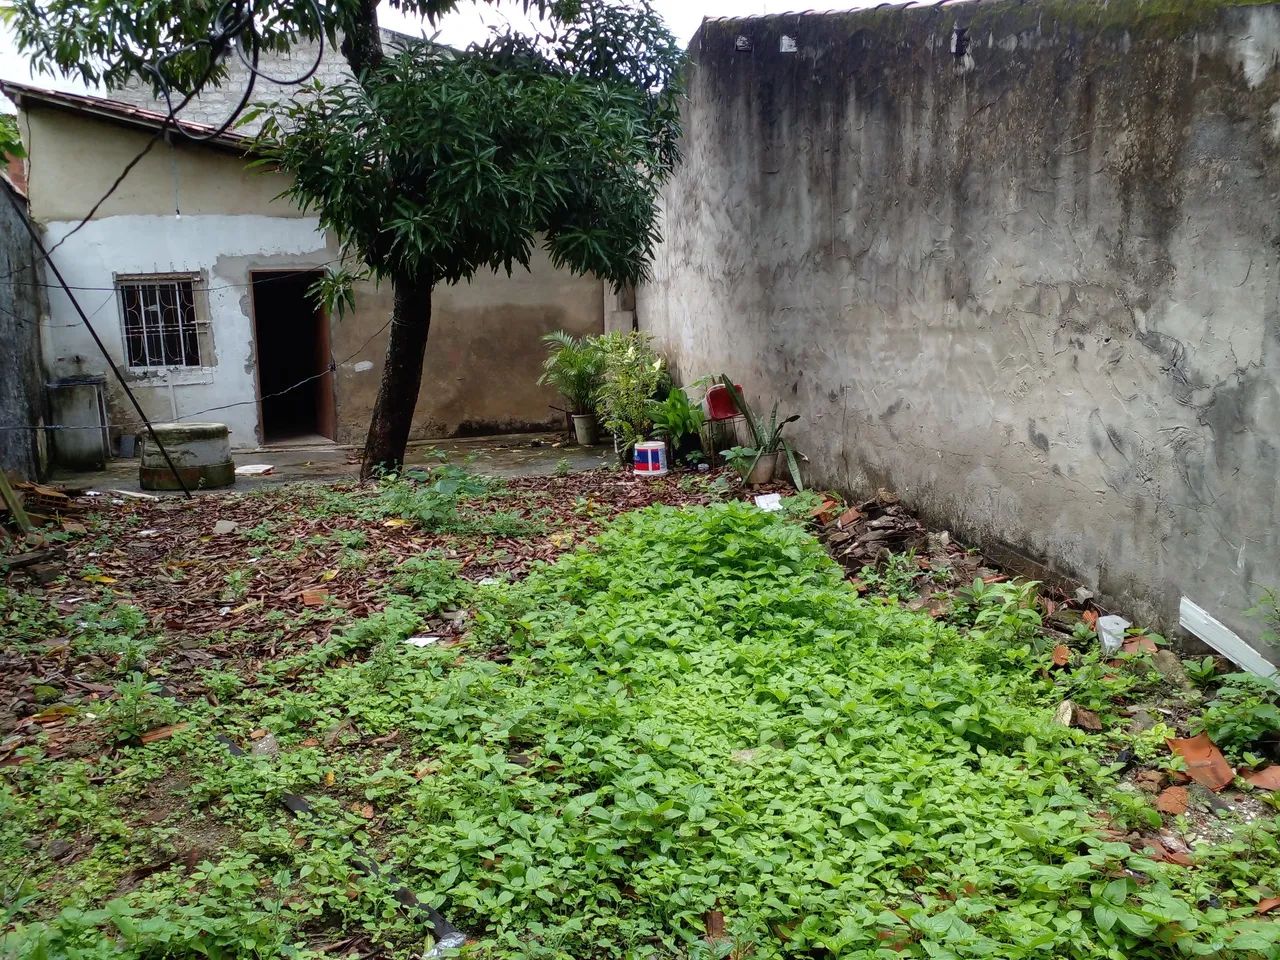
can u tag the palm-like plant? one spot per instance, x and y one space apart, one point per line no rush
574 367
766 434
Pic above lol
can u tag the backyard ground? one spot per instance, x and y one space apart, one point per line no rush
588 715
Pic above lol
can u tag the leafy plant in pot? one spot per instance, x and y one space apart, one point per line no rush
631 377
758 463
575 366
678 421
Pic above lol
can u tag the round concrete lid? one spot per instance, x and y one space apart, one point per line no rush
190 431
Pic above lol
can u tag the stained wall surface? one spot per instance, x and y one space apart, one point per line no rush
1017 262
22 406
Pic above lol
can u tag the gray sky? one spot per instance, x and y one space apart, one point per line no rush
468 23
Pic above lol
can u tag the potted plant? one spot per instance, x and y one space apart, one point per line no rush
679 422
574 367
632 375
758 463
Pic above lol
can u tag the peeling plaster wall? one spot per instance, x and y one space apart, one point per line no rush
1031 284
484 354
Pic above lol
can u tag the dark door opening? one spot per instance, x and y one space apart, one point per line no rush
294 380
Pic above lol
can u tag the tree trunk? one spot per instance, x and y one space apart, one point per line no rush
401 377
362 41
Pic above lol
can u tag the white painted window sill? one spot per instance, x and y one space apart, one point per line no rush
169 376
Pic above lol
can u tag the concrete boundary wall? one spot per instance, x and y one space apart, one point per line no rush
1018 262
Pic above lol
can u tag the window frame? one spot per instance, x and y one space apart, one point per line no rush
199 320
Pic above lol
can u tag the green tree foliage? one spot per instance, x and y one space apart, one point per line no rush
10 139
439 164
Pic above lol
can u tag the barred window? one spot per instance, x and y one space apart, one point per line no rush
161 326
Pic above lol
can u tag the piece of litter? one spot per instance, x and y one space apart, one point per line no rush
421 641
266 746
223 527
769 502
254 470
134 494
487 581
147 533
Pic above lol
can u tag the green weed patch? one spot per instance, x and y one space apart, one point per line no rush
694 717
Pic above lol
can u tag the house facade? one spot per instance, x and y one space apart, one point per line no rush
194 274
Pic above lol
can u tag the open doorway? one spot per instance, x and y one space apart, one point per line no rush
294 379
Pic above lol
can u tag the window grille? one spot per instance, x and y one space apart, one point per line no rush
161 328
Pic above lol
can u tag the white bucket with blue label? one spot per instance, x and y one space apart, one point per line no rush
650 458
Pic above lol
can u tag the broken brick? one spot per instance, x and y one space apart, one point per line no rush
1268 778
1205 762
1173 801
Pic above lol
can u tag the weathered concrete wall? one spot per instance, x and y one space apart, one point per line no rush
184 208
1031 284
21 383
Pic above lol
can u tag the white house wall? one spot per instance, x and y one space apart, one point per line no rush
221 250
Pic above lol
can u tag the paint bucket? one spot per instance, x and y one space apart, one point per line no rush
651 458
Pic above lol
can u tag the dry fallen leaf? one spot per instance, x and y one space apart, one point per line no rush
163 733
714 920
1086 720
1061 655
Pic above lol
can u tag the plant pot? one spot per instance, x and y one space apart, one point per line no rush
764 469
584 428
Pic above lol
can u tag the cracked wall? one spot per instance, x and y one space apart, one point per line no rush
1018 262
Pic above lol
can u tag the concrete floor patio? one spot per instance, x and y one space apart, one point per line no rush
509 455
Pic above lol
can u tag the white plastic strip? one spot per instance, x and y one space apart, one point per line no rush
1226 641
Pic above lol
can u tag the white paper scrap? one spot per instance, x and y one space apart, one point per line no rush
769 502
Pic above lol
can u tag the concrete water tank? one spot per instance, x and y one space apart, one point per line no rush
200 451
78 409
